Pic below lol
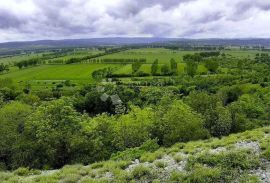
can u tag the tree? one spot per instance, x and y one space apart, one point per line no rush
133 129
154 67
176 122
165 70
56 131
192 58
173 66
13 117
3 67
219 121
191 68
136 66
212 65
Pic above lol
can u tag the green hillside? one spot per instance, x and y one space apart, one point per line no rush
242 157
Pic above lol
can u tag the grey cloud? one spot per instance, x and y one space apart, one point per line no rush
8 20
162 18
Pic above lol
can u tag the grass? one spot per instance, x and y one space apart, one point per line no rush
151 54
47 75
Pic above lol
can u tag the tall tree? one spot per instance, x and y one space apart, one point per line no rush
165 70
173 66
191 68
154 67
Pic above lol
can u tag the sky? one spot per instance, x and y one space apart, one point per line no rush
23 20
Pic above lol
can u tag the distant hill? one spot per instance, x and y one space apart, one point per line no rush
83 42
17 47
127 41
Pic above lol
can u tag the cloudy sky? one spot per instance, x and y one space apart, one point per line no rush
58 19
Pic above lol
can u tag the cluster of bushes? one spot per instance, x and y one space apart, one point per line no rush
91 57
54 134
122 60
198 57
4 68
102 73
27 63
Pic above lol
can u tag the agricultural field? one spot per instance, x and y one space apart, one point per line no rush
45 76
50 74
150 54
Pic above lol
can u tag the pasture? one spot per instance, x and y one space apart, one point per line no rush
49 75
44 76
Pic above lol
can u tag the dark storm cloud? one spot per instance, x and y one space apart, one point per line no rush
43 19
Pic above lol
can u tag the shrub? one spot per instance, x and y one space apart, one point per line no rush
176 177
26 172
204 174
266 153
236 159
178 158
151 157
160 164
141 172
176 122
137 152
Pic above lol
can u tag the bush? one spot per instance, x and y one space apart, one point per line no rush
151 157
177 158
26 172
160 164
176 122
137 152
204 175
141 172
236 159
266 153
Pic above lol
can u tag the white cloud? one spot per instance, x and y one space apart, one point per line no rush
43 19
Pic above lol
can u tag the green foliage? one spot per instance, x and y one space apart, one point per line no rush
26 172
133 129
13 117
176 122
141 172
266 153
191 68
204 175
173 64
136 66
137 152
237 159
154 68
219 121
165 70
212 65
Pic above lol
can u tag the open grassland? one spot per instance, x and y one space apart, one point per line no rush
150 54
76 54
44 75
165 55
146 68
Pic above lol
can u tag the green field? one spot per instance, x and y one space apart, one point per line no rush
150 54
45 75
